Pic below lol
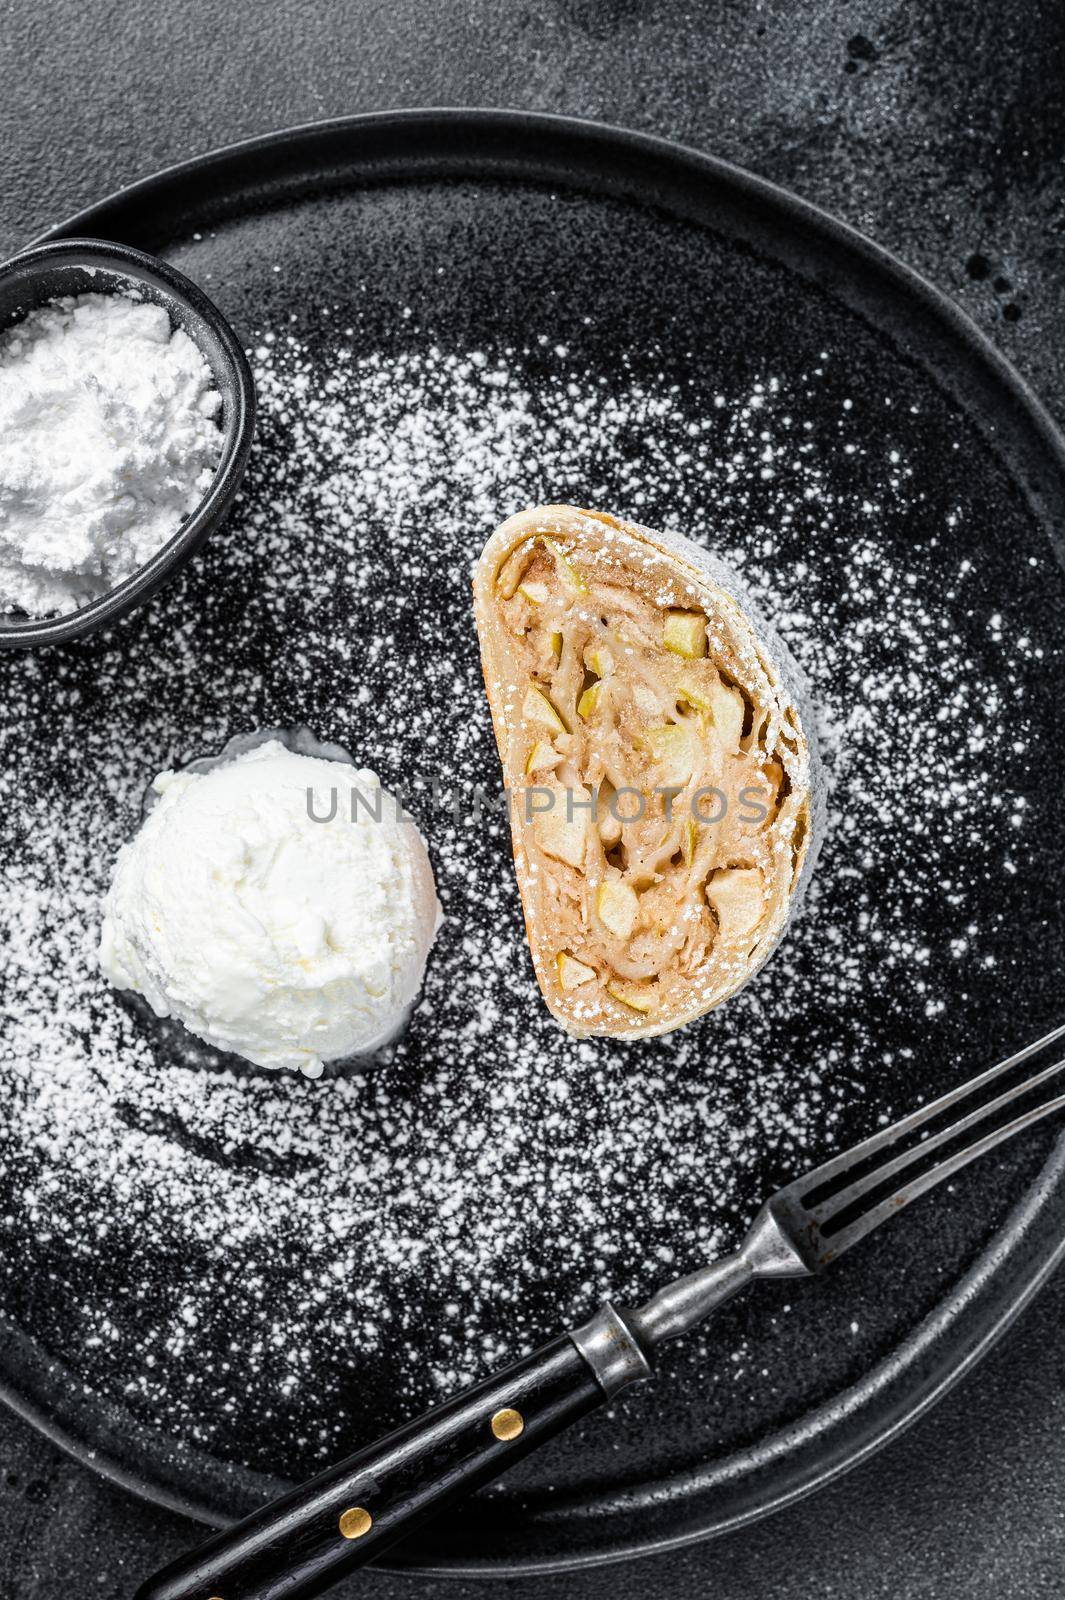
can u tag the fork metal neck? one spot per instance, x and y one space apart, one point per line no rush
617 1344
766 1252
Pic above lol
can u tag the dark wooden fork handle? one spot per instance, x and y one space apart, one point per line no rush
309 1539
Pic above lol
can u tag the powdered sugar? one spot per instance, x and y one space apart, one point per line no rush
108 440
492 1176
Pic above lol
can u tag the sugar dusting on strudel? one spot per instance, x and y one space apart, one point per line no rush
660 771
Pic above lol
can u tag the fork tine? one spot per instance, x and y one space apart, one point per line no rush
794 1234
838 1165
837 1243
841 1198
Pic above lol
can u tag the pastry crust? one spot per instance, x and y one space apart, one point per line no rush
659 773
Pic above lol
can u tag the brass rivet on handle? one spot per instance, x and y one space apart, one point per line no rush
356 1522
508 1423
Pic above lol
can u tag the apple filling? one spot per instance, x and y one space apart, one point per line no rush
658 778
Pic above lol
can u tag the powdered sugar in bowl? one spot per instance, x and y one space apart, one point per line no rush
195 404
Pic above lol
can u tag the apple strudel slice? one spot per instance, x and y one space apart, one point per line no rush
659 773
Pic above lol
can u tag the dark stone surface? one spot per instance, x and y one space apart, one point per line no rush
968 1502
939 130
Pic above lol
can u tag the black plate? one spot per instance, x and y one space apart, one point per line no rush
759 376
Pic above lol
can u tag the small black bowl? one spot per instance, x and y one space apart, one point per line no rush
87 266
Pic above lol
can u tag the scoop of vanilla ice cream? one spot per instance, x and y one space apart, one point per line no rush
280 905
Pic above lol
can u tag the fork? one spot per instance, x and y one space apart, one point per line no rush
304 1542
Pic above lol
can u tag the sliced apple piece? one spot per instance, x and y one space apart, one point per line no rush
696 694
565 841
685 634
632 995
510 574
542 757
536 707
571 972
609 825
597 659
589 700
566 570
672 752
726 711
617 907
737 894
538 593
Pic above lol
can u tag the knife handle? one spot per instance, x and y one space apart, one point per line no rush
301 1544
